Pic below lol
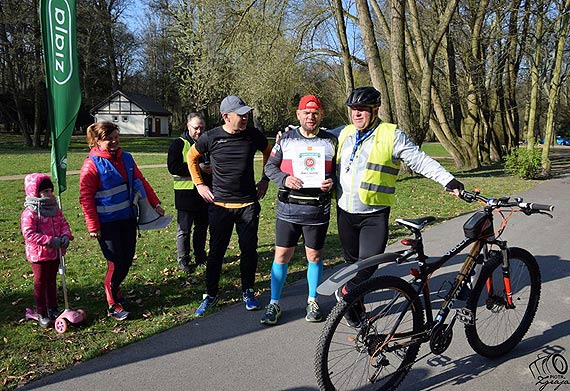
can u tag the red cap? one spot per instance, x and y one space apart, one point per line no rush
310 102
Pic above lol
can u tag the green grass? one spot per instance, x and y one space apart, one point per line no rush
160 296
435 150
144 150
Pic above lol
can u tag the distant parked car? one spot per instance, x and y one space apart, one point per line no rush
562 141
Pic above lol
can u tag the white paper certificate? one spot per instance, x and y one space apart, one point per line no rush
309 165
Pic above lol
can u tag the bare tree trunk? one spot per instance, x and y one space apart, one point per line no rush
105 12
473 123
38 80
456 112
13 72
554 90
346 60
426 59
373 58
399 73
534 77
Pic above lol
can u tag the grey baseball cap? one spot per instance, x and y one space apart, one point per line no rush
234 104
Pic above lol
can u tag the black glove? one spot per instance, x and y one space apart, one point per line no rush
64 241
55 242
454 184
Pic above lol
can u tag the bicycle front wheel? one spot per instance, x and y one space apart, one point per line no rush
499 326
371 338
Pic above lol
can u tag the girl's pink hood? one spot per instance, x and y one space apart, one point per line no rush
32 182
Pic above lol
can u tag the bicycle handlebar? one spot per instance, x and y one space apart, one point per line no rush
533 206
495 203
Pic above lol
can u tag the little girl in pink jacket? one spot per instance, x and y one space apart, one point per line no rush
46 233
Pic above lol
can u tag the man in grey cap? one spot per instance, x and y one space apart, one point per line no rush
233 196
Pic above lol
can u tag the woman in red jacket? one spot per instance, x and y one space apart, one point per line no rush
108 183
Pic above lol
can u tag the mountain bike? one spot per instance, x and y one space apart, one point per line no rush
372 336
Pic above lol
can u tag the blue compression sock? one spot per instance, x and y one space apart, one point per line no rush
314 274
278 276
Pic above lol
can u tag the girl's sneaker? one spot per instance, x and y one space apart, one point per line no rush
118 312
43 321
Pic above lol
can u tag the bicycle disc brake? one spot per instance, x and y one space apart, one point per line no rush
440 339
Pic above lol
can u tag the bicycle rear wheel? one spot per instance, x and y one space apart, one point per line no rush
369 357
497 328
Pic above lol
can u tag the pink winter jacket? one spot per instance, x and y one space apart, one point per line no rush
39 230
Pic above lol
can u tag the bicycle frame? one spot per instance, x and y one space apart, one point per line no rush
426 269
422 276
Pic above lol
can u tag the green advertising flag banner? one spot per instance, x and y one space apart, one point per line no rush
57 18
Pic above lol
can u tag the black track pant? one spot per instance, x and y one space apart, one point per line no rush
222 221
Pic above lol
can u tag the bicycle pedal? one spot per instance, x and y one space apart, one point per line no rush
465 316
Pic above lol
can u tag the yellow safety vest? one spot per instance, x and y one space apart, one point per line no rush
378 184
183 182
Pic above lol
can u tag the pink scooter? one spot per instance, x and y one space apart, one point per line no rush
68 315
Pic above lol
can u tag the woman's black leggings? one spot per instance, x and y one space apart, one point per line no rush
118 243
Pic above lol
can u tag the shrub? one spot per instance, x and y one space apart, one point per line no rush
524 162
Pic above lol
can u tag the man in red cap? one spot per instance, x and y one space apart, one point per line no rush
302 164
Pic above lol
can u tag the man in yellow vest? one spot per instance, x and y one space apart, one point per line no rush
191 208
368 161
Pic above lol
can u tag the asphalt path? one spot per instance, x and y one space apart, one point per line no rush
230 350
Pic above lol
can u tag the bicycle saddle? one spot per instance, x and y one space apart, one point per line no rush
416 223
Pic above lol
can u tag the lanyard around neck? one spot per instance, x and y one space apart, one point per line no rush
360 138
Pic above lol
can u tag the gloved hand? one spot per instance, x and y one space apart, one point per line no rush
454 184
55 242
64 241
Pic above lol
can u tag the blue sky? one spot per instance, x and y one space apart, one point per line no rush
134 15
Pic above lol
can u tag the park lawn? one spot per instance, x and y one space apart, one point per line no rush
159 296
435 150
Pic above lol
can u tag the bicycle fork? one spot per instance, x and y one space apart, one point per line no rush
506 271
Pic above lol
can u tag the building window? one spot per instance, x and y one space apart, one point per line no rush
115 118
125 118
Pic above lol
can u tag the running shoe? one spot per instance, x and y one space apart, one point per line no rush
183 265
250 301
356 314
340 293
117 312
271 315
207 303
313 312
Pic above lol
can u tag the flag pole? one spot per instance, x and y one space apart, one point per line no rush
59 40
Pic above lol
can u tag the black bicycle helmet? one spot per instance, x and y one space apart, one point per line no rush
364 96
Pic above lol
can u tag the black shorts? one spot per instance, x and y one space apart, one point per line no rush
287 234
